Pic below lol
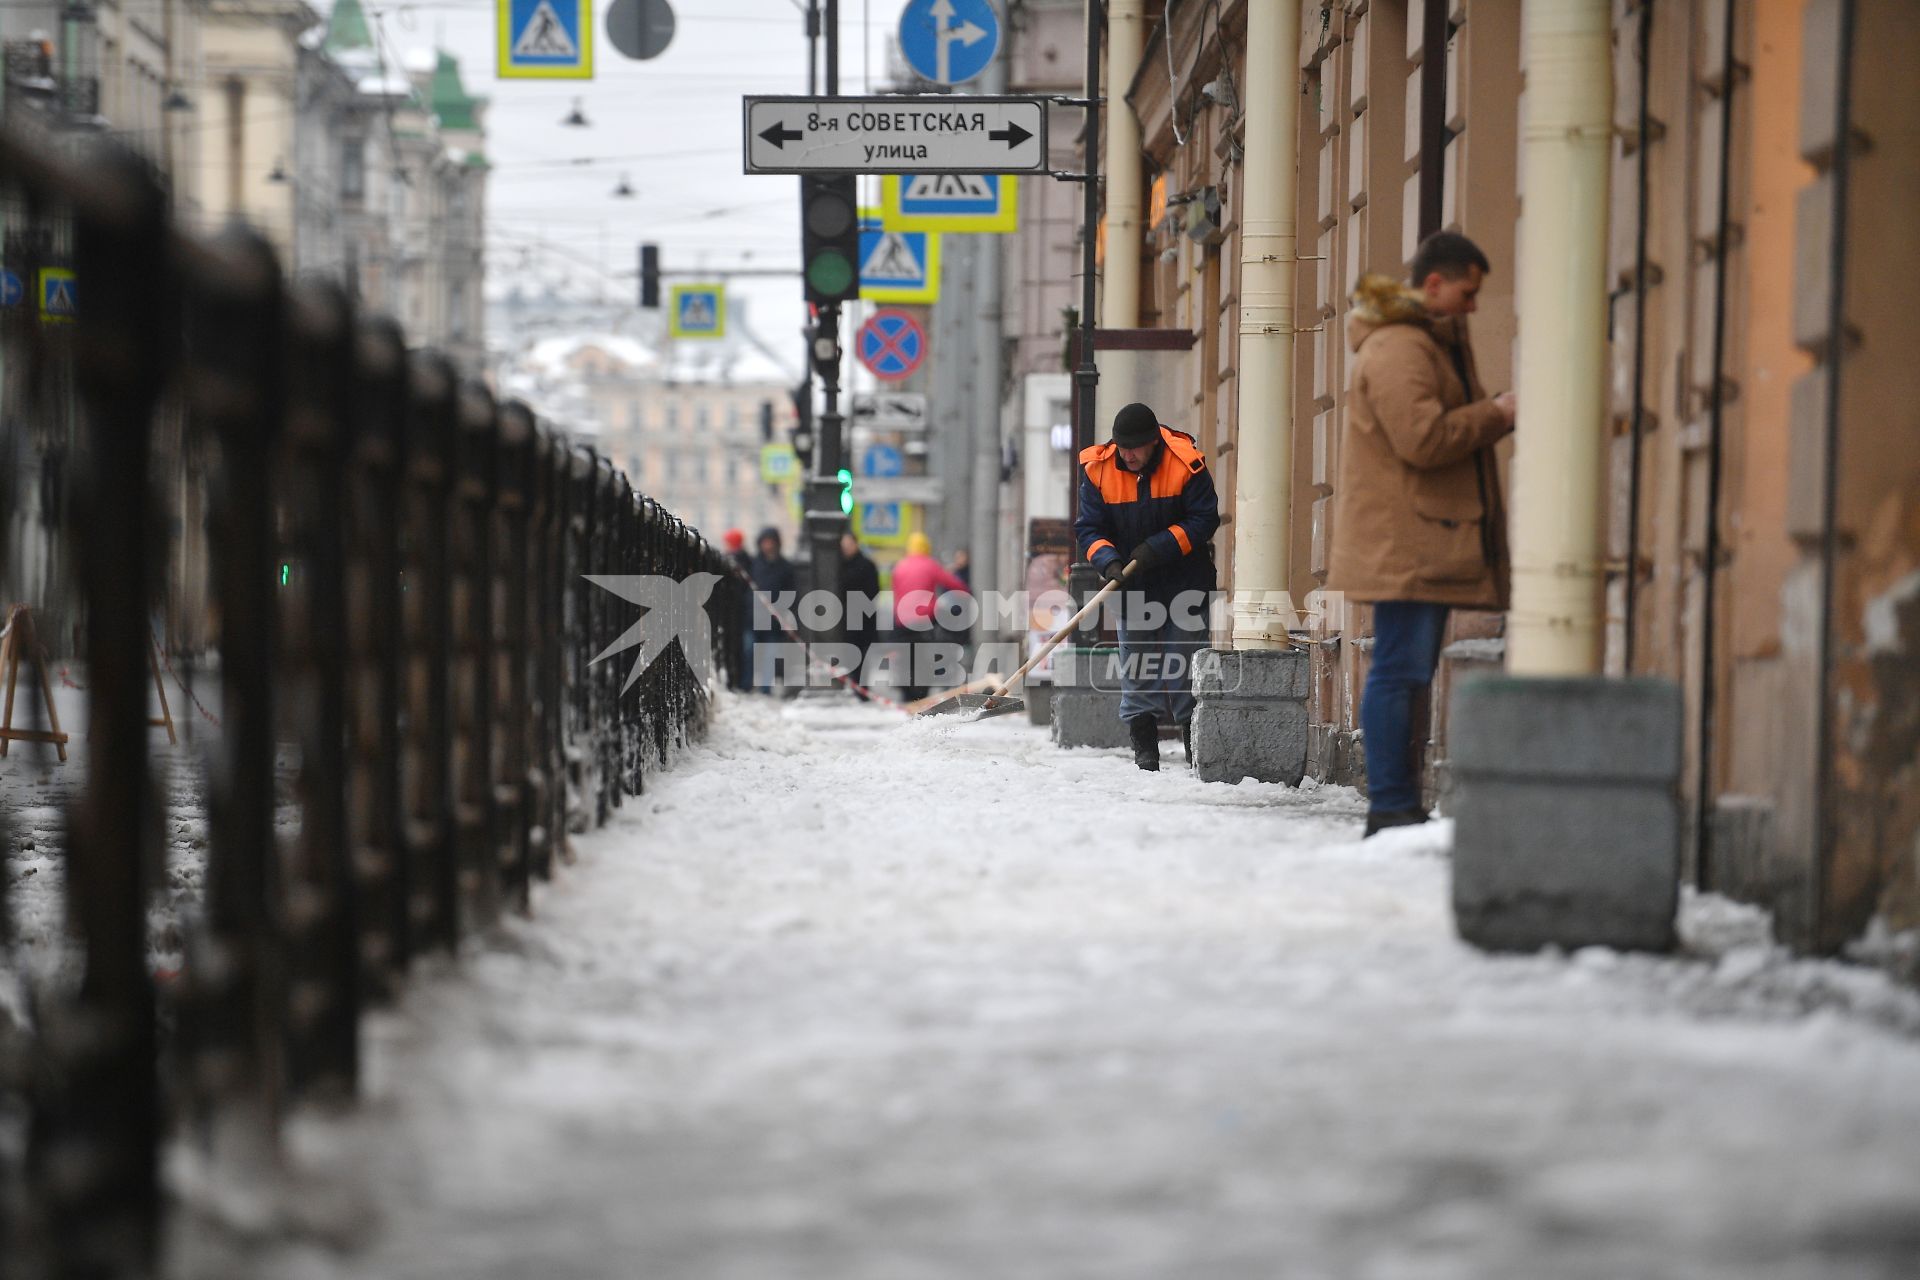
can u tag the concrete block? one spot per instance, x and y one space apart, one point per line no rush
1567 812
1086 718
1251 718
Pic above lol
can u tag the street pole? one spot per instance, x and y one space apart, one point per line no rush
1086 376
988 364
825 522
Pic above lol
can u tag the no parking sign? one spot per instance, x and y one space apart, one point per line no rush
892 344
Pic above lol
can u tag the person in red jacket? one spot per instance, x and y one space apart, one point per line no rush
918 580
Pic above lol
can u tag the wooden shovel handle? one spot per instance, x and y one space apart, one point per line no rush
1085 611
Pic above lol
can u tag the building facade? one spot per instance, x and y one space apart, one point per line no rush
1760 495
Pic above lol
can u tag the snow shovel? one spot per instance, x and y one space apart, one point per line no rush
987 705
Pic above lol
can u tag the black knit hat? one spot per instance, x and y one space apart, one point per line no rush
1134 426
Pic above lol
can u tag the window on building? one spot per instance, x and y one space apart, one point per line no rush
733 415
673 414
353 169
703 417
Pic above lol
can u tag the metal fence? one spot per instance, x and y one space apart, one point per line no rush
385 568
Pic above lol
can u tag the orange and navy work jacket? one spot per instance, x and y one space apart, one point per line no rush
1171 505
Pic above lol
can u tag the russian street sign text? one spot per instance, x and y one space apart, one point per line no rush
896 135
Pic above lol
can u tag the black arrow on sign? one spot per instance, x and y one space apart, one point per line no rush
779 135
1013 135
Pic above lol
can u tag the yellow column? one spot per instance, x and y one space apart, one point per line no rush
1262 510
1554 628
1120 305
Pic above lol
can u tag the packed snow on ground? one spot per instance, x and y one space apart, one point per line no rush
847 997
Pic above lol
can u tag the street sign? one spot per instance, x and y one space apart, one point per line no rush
640 29
698 311
898 266
13 291
778 464
890 410
895 135
881 460
949 41
881 523
892 344
58 301
544 39
975 202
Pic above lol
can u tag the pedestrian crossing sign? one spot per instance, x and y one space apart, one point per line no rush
698 311
545 39
976 202
884 524
58 300
897 266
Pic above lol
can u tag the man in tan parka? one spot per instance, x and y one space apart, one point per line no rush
1418 524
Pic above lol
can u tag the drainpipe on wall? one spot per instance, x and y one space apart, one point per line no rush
1251 719
1554 626
1566 798
1262 505
1120 307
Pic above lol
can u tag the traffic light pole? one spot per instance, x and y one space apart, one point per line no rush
825 521
1086 374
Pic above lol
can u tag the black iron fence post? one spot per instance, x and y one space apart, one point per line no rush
377 646
236 390
96 1125
433 905
513 714
323 996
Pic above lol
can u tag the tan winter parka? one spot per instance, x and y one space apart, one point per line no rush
1417 511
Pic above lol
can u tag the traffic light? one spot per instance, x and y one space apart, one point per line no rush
846 492
830 237
766 422
801 433
650 276
823 341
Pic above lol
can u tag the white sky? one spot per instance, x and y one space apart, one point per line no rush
671 124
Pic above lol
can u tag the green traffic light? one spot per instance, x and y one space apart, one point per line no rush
846 492
830 273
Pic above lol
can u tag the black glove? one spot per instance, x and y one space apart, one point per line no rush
1113 568
1148 556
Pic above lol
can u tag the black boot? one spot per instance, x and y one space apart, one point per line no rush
1381 819
1186 741
1146 742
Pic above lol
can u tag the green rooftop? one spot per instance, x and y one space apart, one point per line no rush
449 98
347 28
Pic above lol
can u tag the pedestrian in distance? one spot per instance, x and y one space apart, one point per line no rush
1418 522
741 586
918 580
773 577
1147 499
859 588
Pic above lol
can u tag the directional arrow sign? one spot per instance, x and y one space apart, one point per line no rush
927 134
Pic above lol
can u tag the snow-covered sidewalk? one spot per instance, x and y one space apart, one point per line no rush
848 998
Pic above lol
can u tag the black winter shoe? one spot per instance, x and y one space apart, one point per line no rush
1186 740
1381 820
1146 742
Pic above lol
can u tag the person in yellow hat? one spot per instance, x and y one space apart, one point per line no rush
918 580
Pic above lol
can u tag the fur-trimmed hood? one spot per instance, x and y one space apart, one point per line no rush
1379 301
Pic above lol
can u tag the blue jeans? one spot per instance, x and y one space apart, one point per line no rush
1157 671
1406 652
